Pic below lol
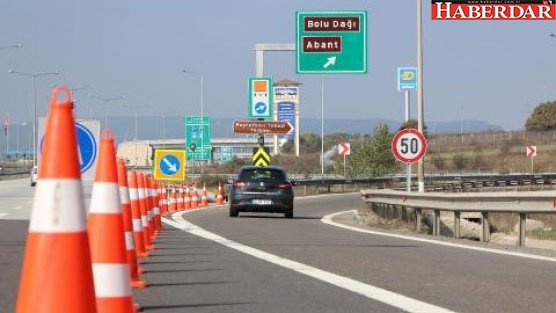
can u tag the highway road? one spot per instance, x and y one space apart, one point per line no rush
210 262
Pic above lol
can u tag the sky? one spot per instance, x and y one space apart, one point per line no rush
494 71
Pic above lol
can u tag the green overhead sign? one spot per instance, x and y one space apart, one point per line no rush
331 42
197 138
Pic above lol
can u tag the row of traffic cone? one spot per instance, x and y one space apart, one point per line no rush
78 264
184 197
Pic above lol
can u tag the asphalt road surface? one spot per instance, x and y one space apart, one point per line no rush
190 273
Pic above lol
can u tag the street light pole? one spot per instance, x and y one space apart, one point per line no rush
106 100
16 46
202 89
202 109
34 77
202 95
420 96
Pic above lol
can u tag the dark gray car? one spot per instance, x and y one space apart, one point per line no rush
261 189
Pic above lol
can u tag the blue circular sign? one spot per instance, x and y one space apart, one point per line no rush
86 147
169 165
260 107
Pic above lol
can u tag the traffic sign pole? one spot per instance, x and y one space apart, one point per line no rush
408 178
407 80
532 165
344 166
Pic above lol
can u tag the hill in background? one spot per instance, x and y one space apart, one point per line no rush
151 127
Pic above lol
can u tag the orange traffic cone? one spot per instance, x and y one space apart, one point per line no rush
150 207
106 229
187 198
179 197
144 211
136 281
220 195
138 235
162 203
156 205
194 197
163 199
56 274
204 199
172 204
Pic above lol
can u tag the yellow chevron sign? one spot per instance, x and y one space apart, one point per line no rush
261 156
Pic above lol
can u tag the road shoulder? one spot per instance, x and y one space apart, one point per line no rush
347 220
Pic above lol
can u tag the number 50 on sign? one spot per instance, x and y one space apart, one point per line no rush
409 145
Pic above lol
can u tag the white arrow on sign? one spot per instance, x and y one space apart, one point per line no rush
531 151
331 61
291 128
171 166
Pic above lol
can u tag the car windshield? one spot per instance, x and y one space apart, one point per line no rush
263 174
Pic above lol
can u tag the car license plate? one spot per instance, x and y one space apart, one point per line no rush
261 201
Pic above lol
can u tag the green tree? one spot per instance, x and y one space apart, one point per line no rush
439 163
373 157
459 162
308 143
542 118
413 124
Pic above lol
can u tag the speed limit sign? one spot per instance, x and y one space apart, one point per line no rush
409 145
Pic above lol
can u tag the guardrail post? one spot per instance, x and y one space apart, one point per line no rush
417 220
522 228
305 190
485 236
457 215
436 223
328 188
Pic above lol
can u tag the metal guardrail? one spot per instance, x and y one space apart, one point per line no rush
447 182
7 171
522 203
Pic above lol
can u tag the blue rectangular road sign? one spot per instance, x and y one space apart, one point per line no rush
407 78
286 113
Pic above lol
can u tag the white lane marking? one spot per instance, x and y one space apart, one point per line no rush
3 214
327 219
372 292
19 207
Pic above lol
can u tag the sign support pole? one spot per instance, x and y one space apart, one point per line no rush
275 136
420 97
297 129
259 66
532 165
408 179
322 125
344 166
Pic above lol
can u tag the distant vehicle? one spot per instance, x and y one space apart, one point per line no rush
34 175
261 189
